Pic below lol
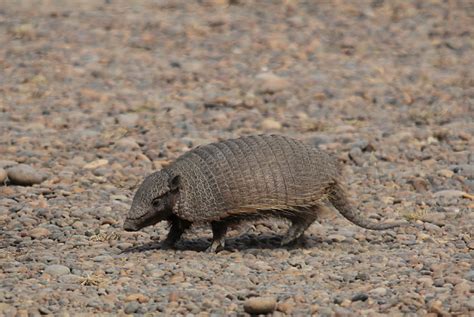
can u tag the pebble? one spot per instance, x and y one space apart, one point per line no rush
271 83
7 309
431 227
470 304
137 297
260 305
5 164
128 119
96 164
379 291
450 193
436 307
426 281
420 185
462 288
470 276
466 170
286 307
102 258
70 279
3 176
360 297
131 307
336 237
57 270
446 173
271 124
357 156
44 310
127 144
39 233
24 175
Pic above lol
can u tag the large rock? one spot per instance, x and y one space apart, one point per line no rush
25 175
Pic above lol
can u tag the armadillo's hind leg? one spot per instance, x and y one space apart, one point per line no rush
297 229
219 229
177 228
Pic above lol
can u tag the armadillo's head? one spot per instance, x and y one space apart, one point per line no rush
153 201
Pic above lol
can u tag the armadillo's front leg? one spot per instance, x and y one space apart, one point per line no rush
177 228
219 229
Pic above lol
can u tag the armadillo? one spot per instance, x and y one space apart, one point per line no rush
244 179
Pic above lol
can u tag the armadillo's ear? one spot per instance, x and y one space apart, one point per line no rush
174 182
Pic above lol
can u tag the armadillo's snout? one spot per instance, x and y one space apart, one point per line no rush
129 225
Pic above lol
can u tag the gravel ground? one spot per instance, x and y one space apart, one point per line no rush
97 94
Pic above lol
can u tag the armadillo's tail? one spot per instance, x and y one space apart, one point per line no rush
339 200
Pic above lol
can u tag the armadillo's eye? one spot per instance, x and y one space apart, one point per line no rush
156 202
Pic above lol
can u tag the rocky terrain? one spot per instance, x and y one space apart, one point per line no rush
94 95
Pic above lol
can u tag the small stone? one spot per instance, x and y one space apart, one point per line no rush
462 288
435 218
345 303
420 185
260 305
97 163
3 176
470 276
21 313
470 304
44 310
466 170
450 193
271 83
5 164
379 291
102 258
24 175
406 239
57 270
360 297
431 227
362 276
127 144
173 297
341 312
7 309
436 307
39 233
271 124
137 297
446 173
357 156
128 119
70 279
426 281
336 237
131 307
286 307
315 308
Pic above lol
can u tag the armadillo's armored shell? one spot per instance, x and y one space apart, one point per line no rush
248 174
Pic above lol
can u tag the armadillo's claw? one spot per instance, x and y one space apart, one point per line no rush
216 246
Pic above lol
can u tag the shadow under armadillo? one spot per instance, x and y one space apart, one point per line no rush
239 243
